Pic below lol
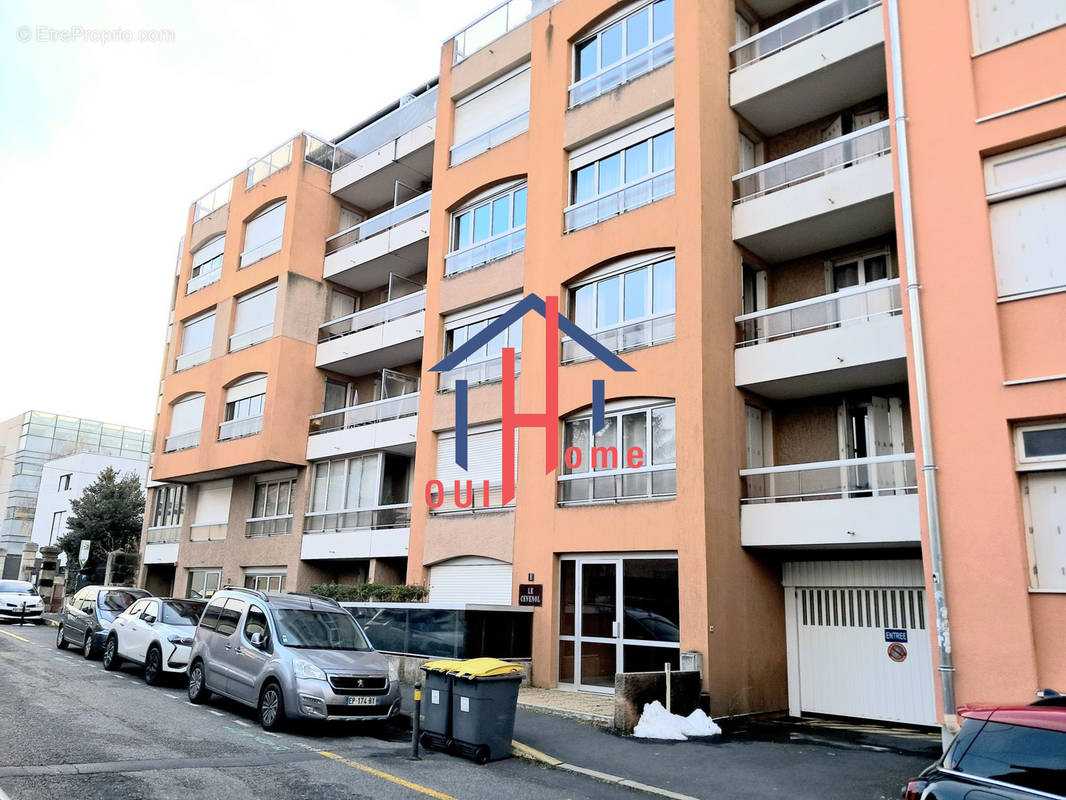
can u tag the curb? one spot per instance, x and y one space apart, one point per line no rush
580 716
532 754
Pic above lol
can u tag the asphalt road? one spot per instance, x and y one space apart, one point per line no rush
72 730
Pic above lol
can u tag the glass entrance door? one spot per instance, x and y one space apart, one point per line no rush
599 634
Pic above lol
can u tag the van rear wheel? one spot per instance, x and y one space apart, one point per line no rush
271 708
198 692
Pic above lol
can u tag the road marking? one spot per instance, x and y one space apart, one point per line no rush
386 776
244 724
171 696
216 713
268 733
14 636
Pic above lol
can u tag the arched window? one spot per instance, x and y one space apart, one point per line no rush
262 234
245 401
186 417
489 227
206 264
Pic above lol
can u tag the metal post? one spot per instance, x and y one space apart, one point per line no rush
416 723
22 615
668 687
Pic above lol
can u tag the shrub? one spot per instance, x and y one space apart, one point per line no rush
372 592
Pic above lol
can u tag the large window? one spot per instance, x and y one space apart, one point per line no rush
206 264
196 336
203 583
169 506
1040 451
627 46
491 115
368 491
631 458
486 363
245 401
254 322
262 234
265 580
996 23
185 419
628 171
272 504
1027 203
491 227
625 306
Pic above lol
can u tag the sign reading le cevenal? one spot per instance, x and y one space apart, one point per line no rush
530 594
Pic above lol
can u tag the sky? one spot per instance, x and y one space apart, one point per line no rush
105 144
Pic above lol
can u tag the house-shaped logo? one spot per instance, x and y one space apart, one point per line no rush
554 322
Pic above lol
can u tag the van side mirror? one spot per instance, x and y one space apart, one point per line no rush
258 640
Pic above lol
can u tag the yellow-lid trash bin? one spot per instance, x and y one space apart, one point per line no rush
485 668
443 665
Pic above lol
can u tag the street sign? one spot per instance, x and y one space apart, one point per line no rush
895 635
83 553
530 594
897 652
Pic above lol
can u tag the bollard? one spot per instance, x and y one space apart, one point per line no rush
668 687
416 723
22 614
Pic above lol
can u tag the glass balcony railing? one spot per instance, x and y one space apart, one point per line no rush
618 486
620 339
814 162
319 152
181 441
796 29
406 405
494 137
380 223
485 252
376 518
847 307
877 476
372 317
205 278
239 341
190 360
640 63
212 201
488 371
418 111
627 198
493 24
268 526
239 428
269 164
167 535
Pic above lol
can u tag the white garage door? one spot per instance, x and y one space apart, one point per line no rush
858 640
470 579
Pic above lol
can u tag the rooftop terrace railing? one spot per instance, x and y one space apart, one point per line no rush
493 24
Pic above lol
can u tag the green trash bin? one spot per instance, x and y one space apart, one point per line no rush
484 700
437 704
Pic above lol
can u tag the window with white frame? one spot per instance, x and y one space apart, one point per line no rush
169 506
484 453
346 483
206 264
491 115
245 401
272 502
996 23
627 45
187 415
1040 452
254 321
486 364
630 170
196 336
490 227
370 491
624 306
1026 192
262 234
267 579
631 458
203 583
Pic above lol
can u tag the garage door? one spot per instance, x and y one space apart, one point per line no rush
470 579
858 640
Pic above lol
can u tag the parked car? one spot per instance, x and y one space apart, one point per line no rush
289 656
19 600
155 632
87 617
1000 753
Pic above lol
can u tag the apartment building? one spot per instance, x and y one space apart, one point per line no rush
713 193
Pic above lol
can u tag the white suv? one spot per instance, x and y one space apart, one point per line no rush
156 632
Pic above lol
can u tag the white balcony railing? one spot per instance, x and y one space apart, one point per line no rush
167 535
375 315
319 152
494 137
405 405
847 307
628 198
392 126
618 486
622 338
493 24
485 252
239 428
239 341
375 518
260 252
272 162
181 441
796 29
268 526
378 224
805 165
488 371
204 279
828 480
207 532
190 360
212 201
640 63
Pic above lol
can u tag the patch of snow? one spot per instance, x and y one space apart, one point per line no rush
658 723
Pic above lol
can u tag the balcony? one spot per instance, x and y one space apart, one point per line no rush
494 137
860 502
623 338
397 242
206 276
628 198
181 441
207 532
825 58
477 372
493 24
398 147
485 252
243 339
816 199
268 526
377 337
212 201
272 162
388 425
193 359
162 545
834 343
618 486
240 428
655 55
379 532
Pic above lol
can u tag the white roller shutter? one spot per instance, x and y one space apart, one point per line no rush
997 23
212 503
209 251
1029 242
499 102
470 579
256 310
188 415
249 387
265 232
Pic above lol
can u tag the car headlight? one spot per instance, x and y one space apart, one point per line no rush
394 672
176 639
305 669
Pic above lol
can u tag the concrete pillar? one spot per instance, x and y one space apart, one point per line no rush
29 561
46 583
3 561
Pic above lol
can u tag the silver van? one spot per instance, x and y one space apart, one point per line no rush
290 656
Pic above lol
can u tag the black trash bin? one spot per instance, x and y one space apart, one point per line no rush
437 704
484 700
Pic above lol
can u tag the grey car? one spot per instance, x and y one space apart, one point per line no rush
290 656
87 617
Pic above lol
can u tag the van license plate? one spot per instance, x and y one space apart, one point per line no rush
352 700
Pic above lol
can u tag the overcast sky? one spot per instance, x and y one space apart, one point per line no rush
104 145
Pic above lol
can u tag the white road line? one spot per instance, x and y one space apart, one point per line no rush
190 704
243 724
216 713
172 696
268 733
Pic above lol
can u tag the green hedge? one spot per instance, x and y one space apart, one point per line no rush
372 592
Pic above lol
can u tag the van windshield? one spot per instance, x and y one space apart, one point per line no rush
319 630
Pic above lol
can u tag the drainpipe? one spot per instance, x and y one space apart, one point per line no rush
929 469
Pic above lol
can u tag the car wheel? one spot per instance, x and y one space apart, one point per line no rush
271 707
112 660
153 666
198 692
61 639
87 646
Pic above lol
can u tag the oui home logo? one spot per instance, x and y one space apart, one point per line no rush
548 308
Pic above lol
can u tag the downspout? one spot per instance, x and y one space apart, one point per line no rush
929 469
